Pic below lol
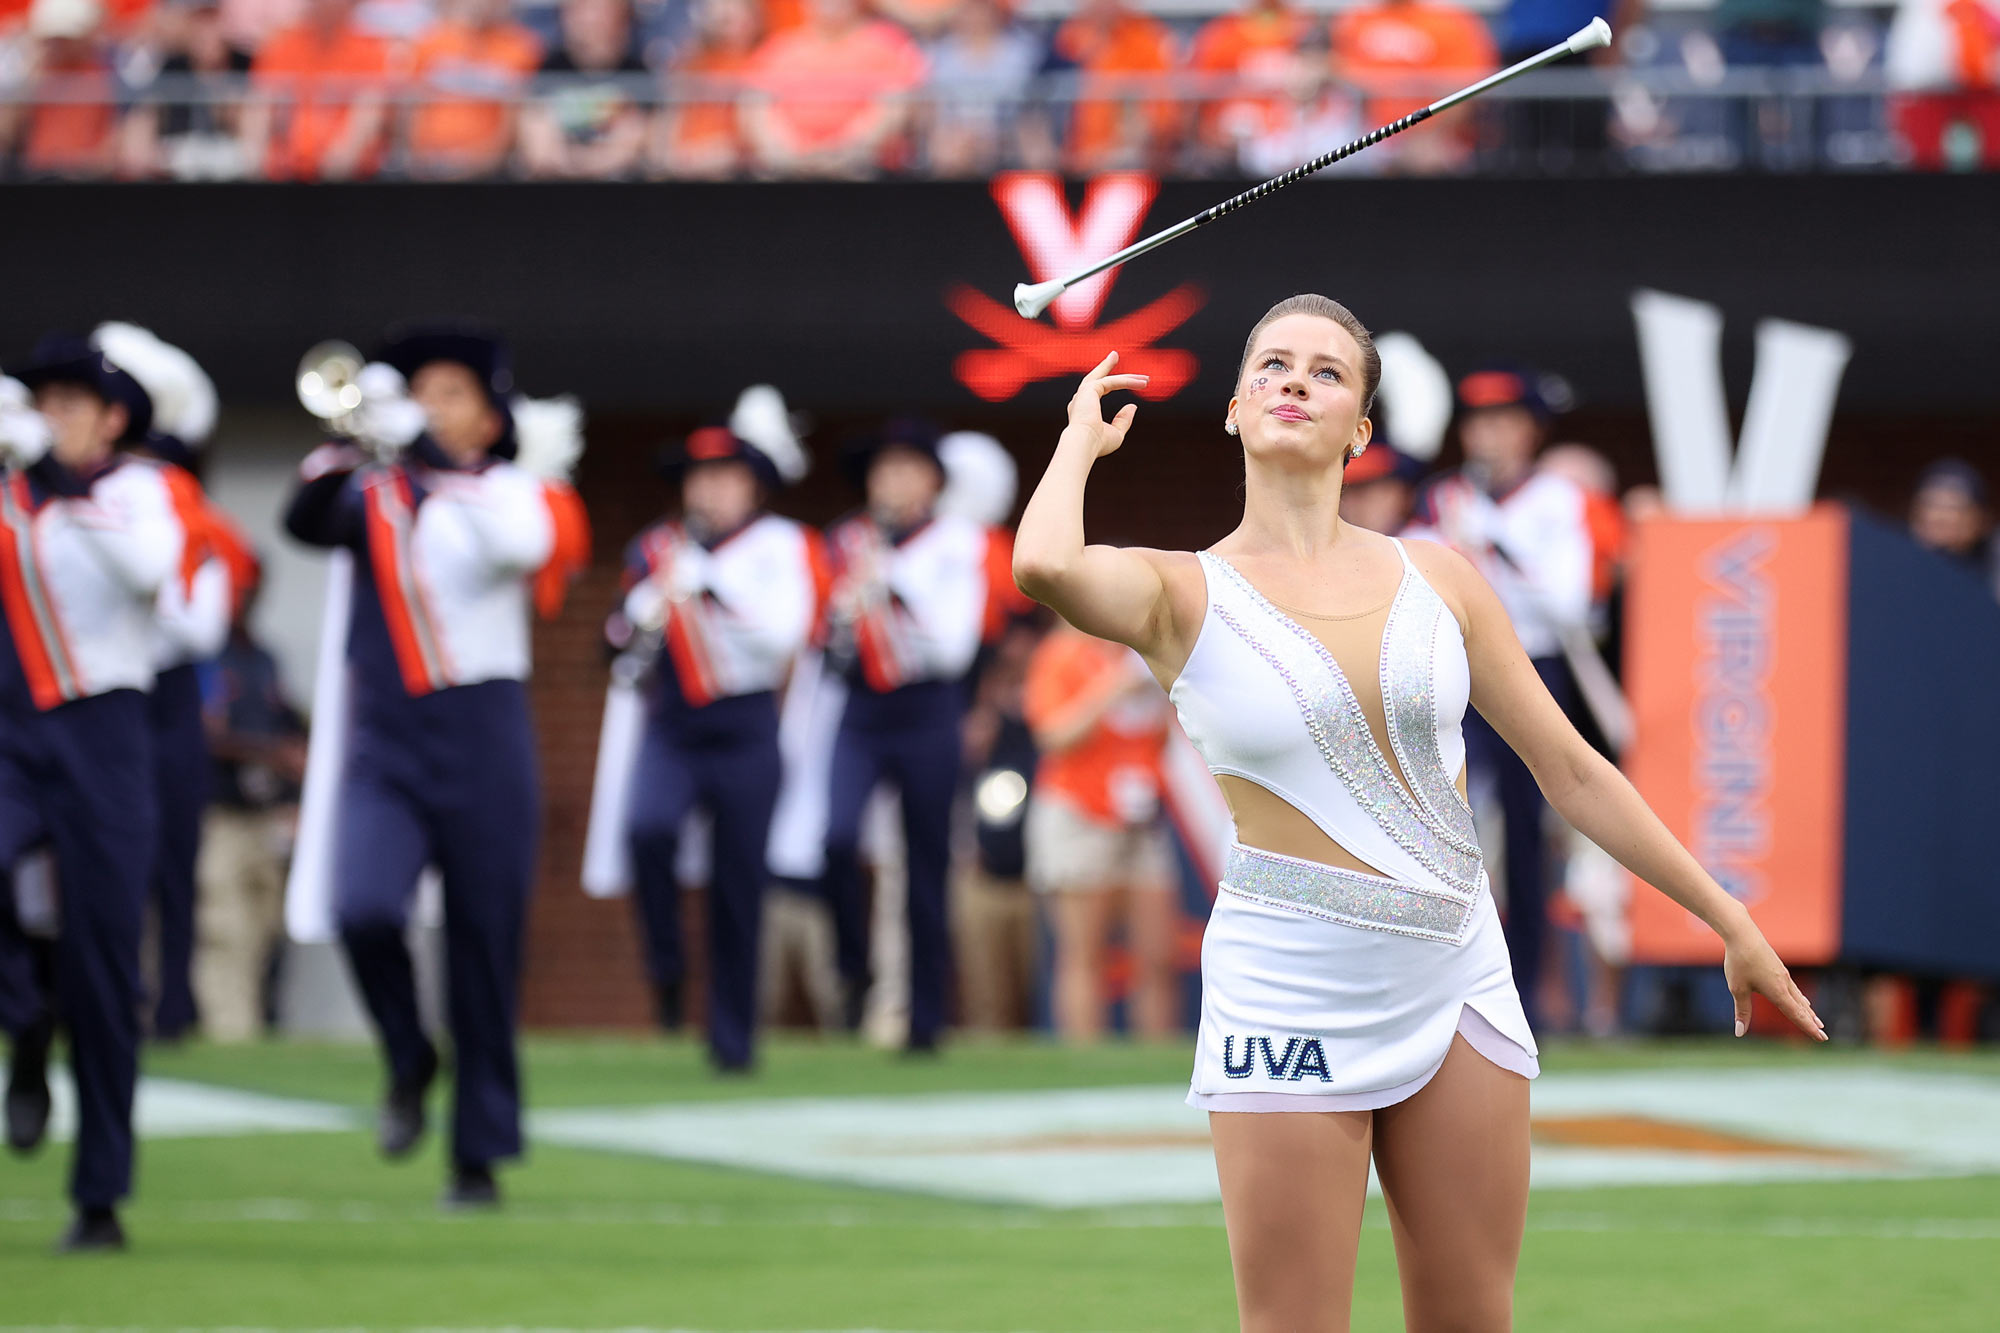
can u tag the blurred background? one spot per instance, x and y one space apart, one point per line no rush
1741 268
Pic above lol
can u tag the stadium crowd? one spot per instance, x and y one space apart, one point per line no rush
760 89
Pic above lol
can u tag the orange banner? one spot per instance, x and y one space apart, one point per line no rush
1735 651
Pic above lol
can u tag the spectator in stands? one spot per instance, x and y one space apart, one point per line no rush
190 124
1096 843
1404 54
1111 50
996 937
1943 57
1308 111
705 138
587 123
248 24
329 83
1771 34
1950 515
980 71
69 136
829 94
926 19
257 741
1253 46
471 68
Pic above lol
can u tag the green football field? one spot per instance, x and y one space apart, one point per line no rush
309 1230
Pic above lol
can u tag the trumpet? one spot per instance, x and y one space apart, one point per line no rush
328 385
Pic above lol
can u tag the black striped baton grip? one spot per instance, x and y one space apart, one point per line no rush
1031 300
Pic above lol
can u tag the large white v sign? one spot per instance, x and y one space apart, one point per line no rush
1792 392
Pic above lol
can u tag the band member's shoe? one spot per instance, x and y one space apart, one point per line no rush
667 1010
28 1088
93 1230
402 1122
471 1188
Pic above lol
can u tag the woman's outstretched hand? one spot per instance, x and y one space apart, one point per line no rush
1751 967
1086 409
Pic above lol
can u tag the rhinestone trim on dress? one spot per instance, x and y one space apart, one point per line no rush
1408 674
1339 728
1342 896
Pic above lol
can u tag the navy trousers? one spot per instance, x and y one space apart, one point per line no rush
723 758
911 737
447 779
1522 810
79 778
180 768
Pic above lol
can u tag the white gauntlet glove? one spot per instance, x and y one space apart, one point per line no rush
387 422
24 433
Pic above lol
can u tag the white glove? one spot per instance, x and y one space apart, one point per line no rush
24 433
387 422
690 573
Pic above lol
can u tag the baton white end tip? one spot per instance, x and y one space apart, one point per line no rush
1597 34
1032 300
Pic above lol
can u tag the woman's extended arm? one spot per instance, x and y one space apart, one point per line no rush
1588 790
1108 591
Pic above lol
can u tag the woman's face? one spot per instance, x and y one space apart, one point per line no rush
1298 402
457 412
85 427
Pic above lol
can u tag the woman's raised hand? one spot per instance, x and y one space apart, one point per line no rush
1086 409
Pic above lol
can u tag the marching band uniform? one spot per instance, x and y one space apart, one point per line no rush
82 561
195 610
731 610
1531 541
441 761
905 620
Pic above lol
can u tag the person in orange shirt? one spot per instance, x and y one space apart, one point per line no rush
1094 833
478 51
1113 48
706 138
1405 54
65 137
830 93
1254 46
326 85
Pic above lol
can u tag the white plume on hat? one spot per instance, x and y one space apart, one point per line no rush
184 404
1416 393
548 436
761 418
980 478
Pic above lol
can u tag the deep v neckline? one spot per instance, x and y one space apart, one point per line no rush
1351 701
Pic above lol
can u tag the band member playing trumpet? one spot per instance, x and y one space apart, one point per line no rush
719 601
908 605
447 535
87 539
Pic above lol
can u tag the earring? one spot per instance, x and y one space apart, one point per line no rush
1229 427
1357 451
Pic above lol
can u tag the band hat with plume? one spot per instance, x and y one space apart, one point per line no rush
761 420
1415 395
184 401
980 477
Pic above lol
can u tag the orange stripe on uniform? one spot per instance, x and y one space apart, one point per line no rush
386 555
38 657
569 553
191 509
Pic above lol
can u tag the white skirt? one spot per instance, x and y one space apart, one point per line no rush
1303 1013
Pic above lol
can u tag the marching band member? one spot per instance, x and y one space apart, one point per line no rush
719 601
1526 530
907 610
87 539
448 535
217 567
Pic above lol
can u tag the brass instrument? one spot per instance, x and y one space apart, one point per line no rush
328 385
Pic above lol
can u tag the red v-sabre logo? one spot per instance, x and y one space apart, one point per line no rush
1055 242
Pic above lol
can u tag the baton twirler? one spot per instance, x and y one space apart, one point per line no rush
1032 299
